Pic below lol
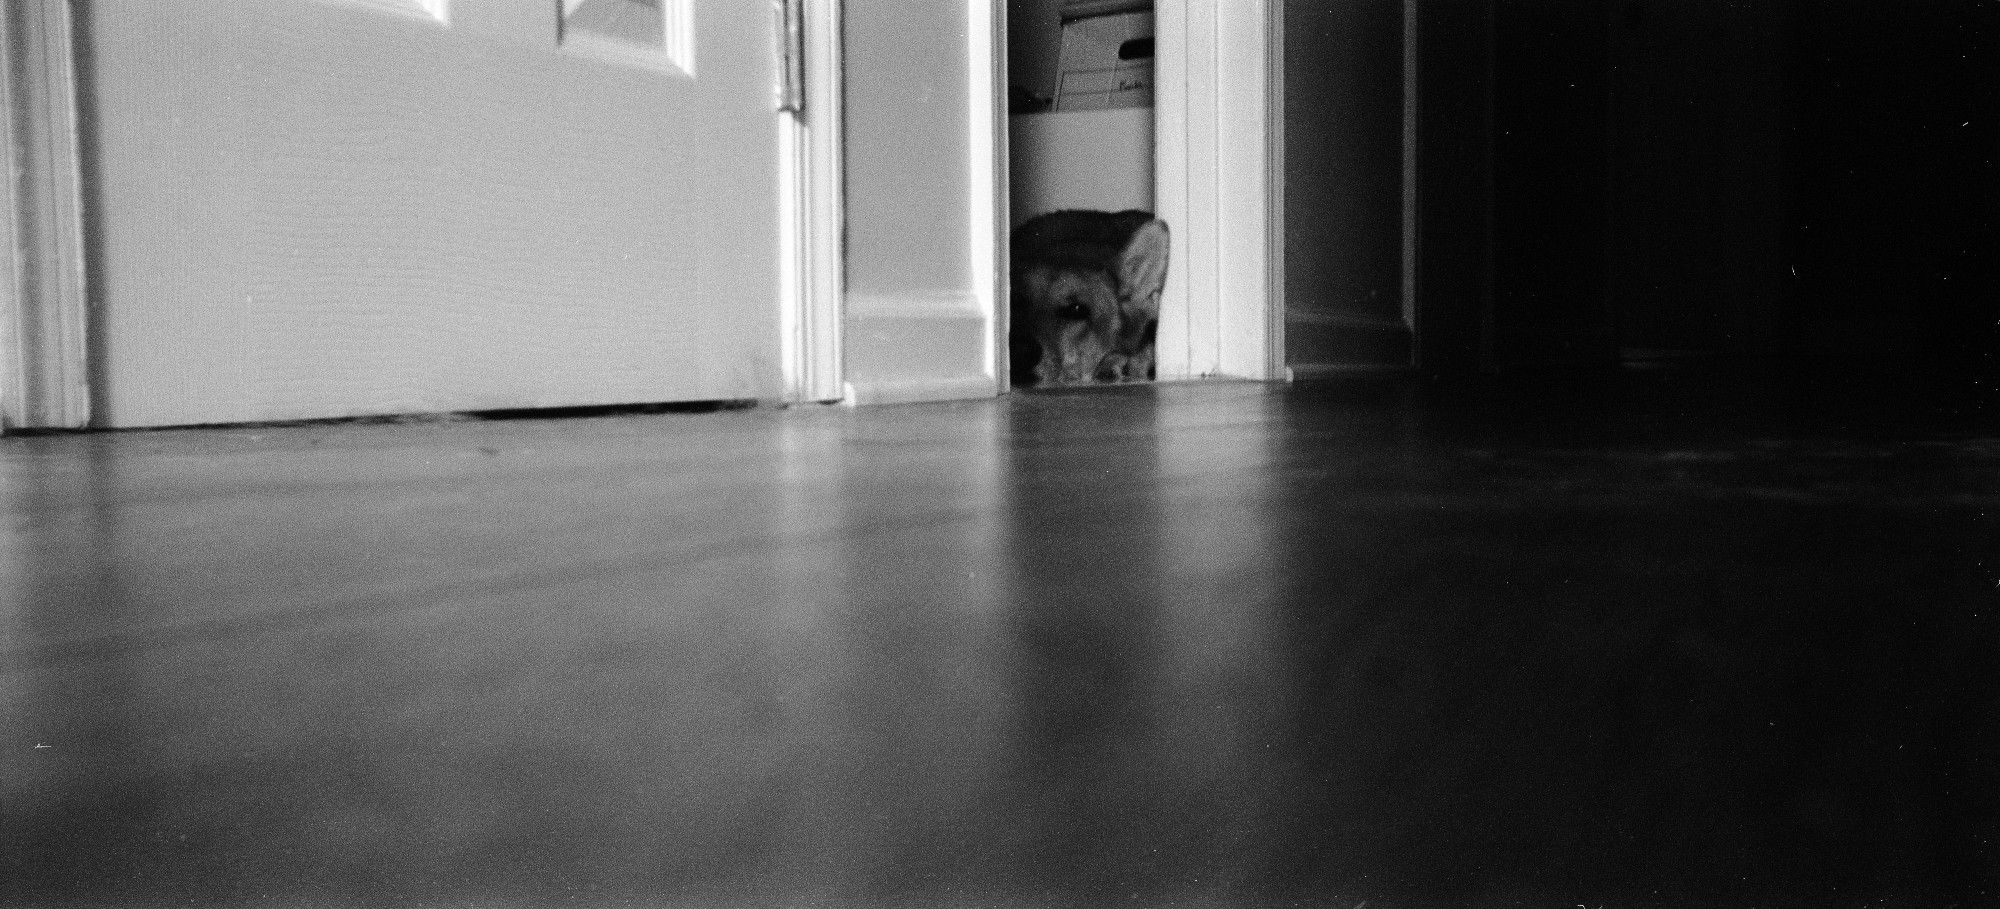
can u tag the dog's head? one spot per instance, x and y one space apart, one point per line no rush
1070 315
1086 296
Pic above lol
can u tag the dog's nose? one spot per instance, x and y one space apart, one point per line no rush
1111 368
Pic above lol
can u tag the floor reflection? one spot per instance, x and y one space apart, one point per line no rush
67 728
894 694
1166 645
1140 623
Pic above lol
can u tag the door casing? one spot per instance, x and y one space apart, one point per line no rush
811 165
43 345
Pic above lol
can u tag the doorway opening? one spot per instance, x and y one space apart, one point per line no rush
1089 256
1214 98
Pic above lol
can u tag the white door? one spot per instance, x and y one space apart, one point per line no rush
313 208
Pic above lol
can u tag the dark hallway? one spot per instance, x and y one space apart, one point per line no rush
1655 639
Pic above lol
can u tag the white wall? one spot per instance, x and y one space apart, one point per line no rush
918 299
907 159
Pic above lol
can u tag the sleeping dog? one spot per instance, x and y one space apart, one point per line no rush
1086 298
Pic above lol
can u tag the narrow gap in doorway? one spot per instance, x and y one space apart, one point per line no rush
1088 256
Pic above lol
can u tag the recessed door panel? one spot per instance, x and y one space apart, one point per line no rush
310 208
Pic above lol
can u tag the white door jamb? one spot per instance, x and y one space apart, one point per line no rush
988 123
1219 119
43 306
813 211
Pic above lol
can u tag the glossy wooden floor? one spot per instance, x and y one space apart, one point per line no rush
1655 641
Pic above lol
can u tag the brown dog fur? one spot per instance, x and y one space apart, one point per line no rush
1086 296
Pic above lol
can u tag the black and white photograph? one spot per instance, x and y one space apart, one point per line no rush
1000 454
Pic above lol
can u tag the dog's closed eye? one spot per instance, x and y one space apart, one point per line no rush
1074 311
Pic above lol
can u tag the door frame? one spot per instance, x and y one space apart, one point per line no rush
43 302
813 239
1219 182
45 352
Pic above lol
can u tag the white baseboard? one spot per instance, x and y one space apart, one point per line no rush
911 391
917 347
935 305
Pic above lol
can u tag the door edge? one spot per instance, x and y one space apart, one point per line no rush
814 215
44 349
987 21
1219 160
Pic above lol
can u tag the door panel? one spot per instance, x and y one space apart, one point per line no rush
310 208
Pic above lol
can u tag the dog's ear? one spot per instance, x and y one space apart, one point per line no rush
1142 264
